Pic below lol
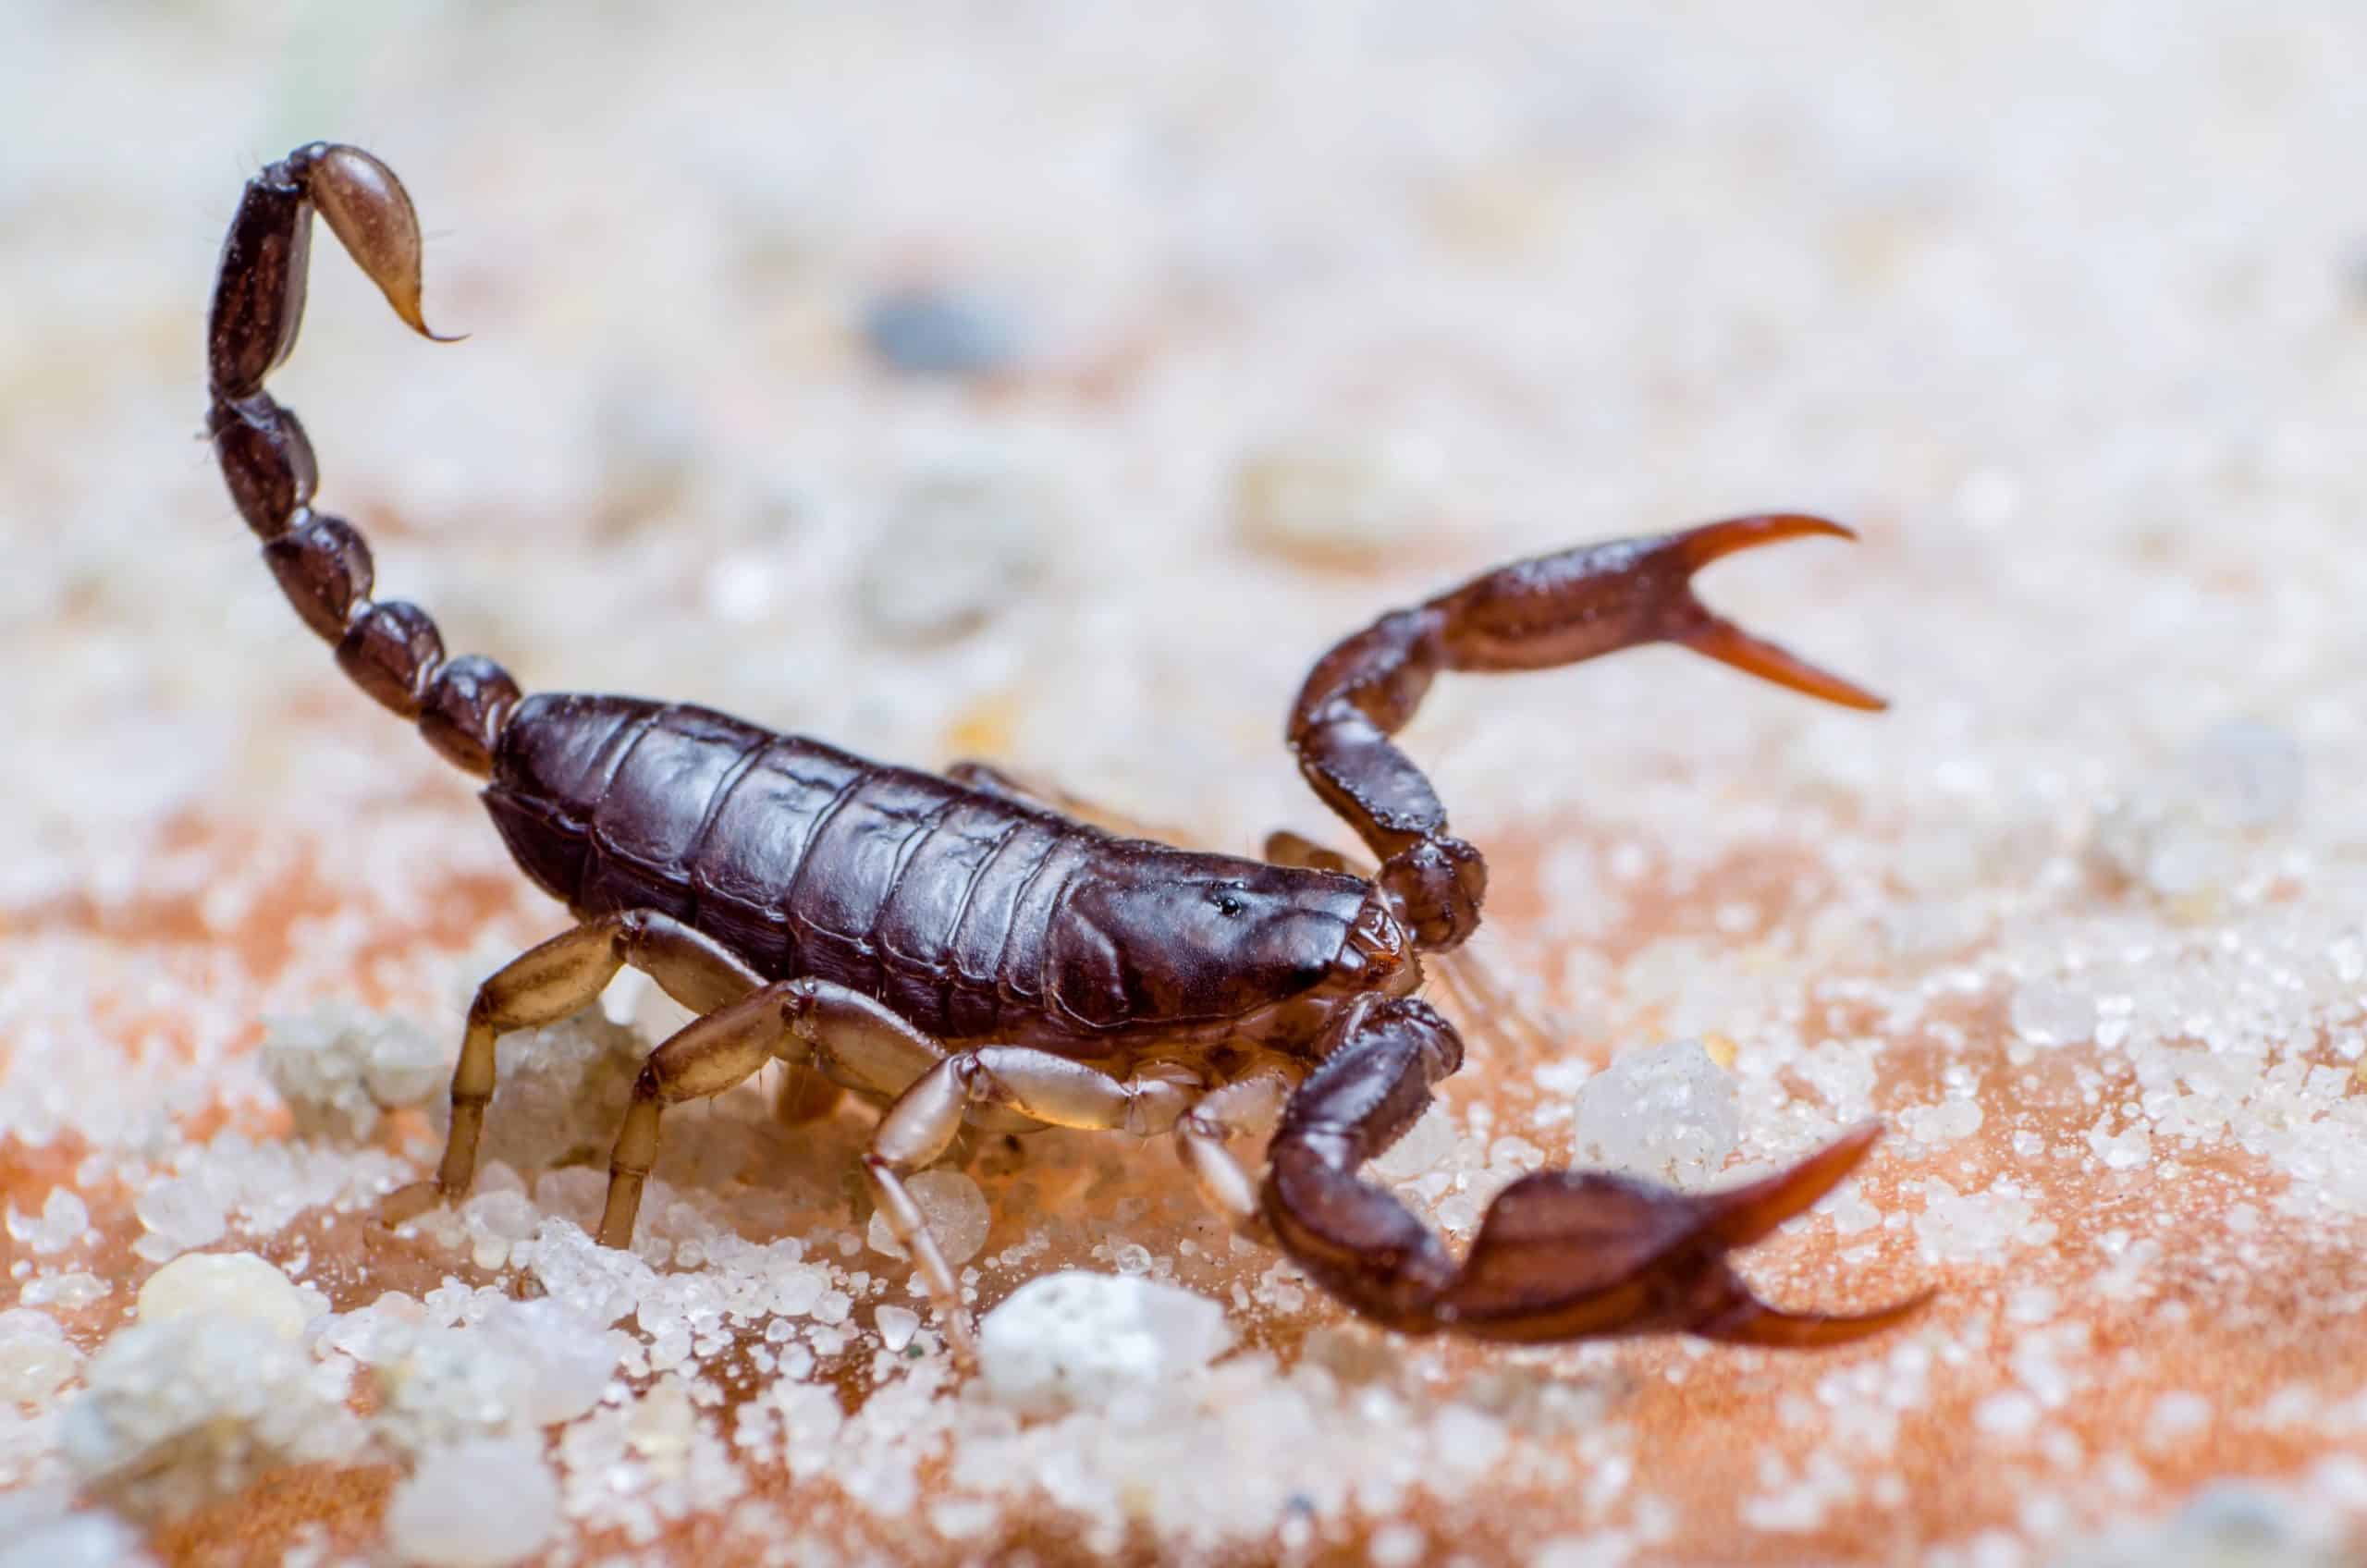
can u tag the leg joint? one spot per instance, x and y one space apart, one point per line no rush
630 935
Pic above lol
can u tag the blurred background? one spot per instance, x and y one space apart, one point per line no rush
1053 383
1058 381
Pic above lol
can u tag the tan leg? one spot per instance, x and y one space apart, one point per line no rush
921 1125
805 1094
854 1041
548 982
1491 1010
1250 1103
702 1058
825 1032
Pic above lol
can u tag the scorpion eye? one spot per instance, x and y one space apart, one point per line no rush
1227 904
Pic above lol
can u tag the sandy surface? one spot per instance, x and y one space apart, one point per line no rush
1267 326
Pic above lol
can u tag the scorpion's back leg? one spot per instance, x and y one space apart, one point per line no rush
1561 1254
804 1023
1533 615
548 982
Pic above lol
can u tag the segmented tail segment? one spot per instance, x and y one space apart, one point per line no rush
391 649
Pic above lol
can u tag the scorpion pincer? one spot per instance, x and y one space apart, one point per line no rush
961 951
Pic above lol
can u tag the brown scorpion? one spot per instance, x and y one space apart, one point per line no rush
961 951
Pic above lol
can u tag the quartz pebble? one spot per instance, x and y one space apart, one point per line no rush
33 1534
1667 1114
237 1283
475 1505
336 1069
176 1412
35 1359
1330 506
2045 1012
568 1358
926 330
956 1211
181 1214
897 1326
513 1368
1077 1339
958 542
2228 1524
1424 1147
2245 774
560 1094
63 1218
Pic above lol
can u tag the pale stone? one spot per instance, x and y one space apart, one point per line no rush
239 1283
1076 1338
1667 1114
955 1211
479 1504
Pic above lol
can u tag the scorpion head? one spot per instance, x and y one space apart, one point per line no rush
1178 938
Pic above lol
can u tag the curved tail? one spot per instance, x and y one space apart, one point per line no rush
390 648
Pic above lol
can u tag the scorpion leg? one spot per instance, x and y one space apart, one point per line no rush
545 984
1244 1105
1532 615
809 1024
705 1057
1561 1254
1052 1089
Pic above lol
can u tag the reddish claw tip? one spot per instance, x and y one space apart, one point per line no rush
1754 1210
1750 1212
1721 639
1753 1322
1730 645
1698 546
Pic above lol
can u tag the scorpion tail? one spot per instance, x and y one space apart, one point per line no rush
392 650
1561 1254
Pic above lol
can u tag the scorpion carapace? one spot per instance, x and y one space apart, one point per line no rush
958 951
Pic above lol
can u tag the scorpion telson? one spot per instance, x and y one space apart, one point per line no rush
959 950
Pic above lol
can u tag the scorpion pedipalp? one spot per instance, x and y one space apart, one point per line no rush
1561 1255
1537 614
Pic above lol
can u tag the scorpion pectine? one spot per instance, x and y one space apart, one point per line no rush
961 950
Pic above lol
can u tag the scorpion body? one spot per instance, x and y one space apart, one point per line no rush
969 913
961 952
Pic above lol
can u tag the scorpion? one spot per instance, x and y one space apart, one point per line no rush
964 949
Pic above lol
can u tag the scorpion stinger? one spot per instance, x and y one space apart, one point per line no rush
968 954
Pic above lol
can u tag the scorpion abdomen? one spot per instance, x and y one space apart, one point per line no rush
802 859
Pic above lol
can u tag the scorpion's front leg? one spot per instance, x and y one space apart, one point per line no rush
1052 1089
1533 615
1561 1254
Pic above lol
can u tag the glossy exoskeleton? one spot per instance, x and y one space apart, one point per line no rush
960 950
